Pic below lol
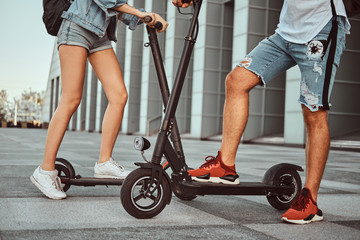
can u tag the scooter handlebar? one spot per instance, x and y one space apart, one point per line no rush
158 25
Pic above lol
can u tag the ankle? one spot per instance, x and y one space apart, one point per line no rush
104 160
44 169
312 193
227 161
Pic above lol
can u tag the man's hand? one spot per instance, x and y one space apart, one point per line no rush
179 3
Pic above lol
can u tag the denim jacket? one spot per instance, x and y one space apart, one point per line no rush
98 16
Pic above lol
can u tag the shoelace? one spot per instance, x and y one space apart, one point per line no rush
300 203
117 164
210 160
56 182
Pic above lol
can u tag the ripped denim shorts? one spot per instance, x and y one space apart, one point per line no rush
275 55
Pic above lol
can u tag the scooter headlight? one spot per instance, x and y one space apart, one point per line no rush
141 143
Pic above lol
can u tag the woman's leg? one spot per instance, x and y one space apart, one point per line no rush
73 64
107 68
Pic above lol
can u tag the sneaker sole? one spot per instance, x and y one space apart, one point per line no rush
109 176
215 180
33 180
316 218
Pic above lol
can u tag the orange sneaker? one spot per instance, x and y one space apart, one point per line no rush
214 170
303 210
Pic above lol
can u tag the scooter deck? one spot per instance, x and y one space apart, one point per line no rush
91 181
245 188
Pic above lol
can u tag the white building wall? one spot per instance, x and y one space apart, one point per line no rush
54 72
132 75
151 104
212 62
178 29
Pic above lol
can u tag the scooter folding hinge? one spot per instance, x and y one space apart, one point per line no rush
182 176
190 39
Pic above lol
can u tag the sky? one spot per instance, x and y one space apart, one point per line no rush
25 47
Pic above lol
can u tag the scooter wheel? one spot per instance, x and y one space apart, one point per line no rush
184 197
139 202
285 177
65 172
181 194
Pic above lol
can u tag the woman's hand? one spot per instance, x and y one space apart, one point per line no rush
179 3
142 15
154 16
154 19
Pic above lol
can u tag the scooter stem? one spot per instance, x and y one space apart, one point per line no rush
164 88
177 87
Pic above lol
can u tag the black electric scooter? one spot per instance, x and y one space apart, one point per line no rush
66 171
147 190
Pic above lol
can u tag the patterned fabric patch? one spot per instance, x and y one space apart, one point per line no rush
315 48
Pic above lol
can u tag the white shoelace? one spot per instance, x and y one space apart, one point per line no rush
57 183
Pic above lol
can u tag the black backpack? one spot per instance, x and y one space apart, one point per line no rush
53 10
352 7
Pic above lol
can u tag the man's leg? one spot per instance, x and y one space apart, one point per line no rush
304 209
239 82
236 110
267 60
317 147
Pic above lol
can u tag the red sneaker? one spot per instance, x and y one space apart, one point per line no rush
214 170
303 210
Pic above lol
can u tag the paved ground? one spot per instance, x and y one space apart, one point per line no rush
96 212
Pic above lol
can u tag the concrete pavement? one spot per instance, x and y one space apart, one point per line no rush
97 213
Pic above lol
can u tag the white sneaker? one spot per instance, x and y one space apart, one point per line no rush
110 169
49 183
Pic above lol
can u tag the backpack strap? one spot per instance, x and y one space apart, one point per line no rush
332 40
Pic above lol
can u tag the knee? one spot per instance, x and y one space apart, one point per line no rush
233 84
240 80
71 103
119 99
315 120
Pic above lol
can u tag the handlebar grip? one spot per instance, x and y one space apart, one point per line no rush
158 25
186 1
147 19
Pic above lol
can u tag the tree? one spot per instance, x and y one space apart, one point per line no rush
3 104
30 106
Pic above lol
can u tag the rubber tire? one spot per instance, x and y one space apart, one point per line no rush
179 194
63 171
284 202
67 164
126 194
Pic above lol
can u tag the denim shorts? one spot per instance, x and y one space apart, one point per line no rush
72 34
275 55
